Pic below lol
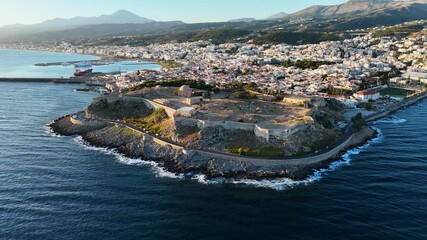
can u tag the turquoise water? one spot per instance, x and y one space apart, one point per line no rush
14 63
58 188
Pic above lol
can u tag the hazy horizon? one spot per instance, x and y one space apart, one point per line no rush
191 11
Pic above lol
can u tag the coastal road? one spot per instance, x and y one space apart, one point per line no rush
314 157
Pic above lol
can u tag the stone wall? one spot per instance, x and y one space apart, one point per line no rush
273 164
260 132
76 121
263 133
154 105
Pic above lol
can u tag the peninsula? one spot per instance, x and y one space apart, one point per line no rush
241 110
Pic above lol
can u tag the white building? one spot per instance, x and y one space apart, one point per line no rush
367 95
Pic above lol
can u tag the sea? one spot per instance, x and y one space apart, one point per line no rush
55 187
15 63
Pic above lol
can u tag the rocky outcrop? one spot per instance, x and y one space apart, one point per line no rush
138 145
66 127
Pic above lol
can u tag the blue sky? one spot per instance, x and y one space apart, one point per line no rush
34 11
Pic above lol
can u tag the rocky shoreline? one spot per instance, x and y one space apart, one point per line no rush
137 145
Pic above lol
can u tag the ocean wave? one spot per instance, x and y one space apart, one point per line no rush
392 119
287 183
155 167
278 184
49 131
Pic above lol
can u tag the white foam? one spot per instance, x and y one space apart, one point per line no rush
276 184
393 119
49 131
287 183
201 178
156 167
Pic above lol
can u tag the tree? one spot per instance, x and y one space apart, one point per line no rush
358 122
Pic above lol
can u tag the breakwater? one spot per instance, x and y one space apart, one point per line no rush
46 80
392 109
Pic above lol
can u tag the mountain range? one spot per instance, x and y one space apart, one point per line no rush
353 14
354 8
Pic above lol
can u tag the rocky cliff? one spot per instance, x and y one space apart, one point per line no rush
138 145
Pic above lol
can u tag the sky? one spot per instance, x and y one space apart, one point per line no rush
190 11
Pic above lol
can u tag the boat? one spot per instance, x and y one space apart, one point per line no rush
79 73
83 65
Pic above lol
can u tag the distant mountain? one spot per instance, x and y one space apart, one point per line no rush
99 30
356 14
354 8
323 21
248 20
119 17
278 16
395 14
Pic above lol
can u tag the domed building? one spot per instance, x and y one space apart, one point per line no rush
185 91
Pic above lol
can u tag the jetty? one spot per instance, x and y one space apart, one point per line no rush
47 80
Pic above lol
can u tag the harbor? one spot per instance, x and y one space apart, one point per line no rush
101 62
47 80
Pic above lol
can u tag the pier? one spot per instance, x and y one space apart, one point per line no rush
47 80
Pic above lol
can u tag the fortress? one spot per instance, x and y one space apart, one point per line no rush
265 131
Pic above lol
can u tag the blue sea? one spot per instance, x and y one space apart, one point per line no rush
14 63
54 187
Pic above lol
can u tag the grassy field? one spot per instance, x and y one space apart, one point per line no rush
395 92
152 123
267 152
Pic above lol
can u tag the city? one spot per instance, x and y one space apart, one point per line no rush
241 119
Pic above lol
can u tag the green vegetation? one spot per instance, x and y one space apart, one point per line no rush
240 86
217 36
404 30
366 105
358 122
129 131
201 85
396 92
242 90
324 121
338 91
169 64
118 109
304 64
243 95
383 77
267 152
151 123
221 35
295 38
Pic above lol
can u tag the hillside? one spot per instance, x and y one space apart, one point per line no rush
310 25
60 24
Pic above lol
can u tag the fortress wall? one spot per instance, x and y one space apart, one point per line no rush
158 141
76 121
275 164
260 132
153 105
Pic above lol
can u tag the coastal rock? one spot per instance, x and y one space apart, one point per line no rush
362 137
179 160
66 127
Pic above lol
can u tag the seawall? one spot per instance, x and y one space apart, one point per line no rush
285 163
405 103
46 80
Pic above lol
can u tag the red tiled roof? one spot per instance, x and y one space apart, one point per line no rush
367 92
